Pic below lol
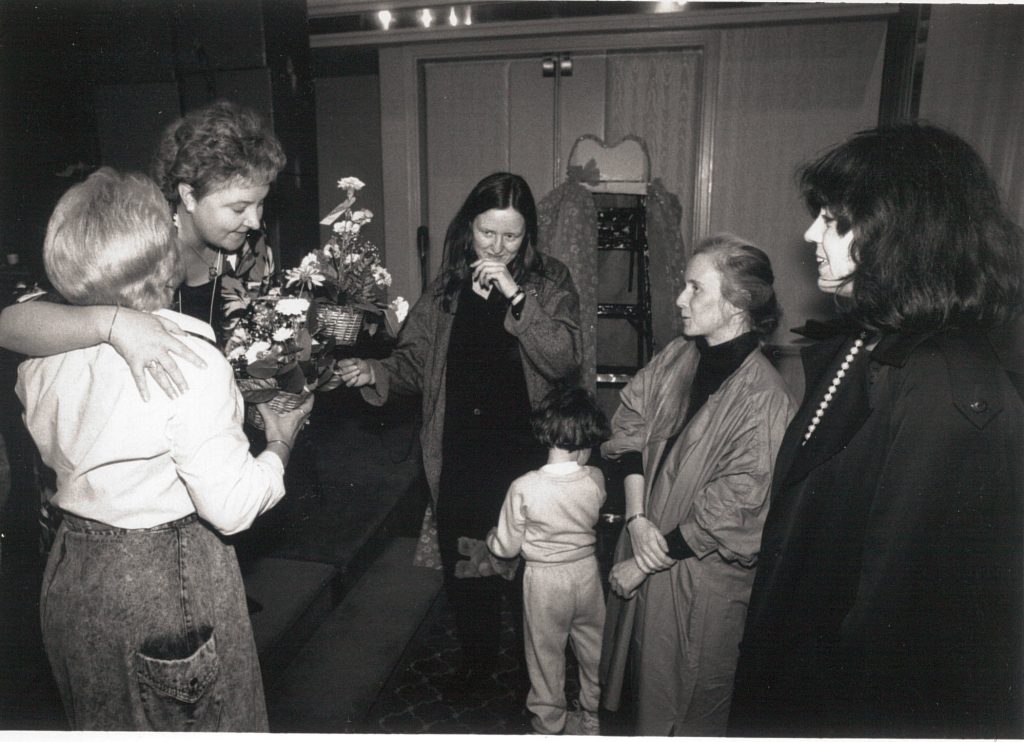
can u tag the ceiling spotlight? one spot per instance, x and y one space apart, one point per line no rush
453 20
385 19
426 17
467 17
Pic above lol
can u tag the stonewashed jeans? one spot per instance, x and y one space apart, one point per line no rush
147 629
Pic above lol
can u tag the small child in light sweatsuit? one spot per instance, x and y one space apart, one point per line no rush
548 517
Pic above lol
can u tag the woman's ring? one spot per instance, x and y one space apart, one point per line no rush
152 365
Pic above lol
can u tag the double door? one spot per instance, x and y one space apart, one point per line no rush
453 113
522 111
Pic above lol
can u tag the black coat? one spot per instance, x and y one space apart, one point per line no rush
889 598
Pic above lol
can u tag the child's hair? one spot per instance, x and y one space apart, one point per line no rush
569 418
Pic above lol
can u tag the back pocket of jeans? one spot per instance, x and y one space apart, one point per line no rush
181 694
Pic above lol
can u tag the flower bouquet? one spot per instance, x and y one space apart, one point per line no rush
346 276
275 356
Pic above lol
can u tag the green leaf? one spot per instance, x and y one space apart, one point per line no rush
264 368
333 383
293 381
391 322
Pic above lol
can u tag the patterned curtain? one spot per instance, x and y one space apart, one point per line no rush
656 96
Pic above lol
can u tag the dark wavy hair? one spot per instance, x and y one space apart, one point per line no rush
932 243
568 418
213 146
496 191
747 279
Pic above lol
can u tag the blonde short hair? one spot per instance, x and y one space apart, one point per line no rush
110 240
747 279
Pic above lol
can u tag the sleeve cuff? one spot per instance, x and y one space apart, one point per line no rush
617 469
677 546
378 392
632 462
517 309
272 460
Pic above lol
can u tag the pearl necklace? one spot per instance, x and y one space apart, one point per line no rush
836 381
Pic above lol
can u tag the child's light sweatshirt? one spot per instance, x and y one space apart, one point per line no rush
549 514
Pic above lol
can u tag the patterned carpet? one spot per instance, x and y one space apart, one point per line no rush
412 702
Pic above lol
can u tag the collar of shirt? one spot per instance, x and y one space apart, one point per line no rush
190 325
562 467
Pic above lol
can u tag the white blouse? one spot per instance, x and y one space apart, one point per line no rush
135 464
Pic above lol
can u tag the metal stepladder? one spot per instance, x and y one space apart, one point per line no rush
617 177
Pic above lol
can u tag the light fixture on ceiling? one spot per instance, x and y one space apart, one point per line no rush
467 16
385 19
453 19
426 18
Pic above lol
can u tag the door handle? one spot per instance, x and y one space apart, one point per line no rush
556 64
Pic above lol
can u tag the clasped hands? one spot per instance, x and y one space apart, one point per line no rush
488 272
650 555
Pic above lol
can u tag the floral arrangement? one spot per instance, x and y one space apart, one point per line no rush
348 270
281 343
270 346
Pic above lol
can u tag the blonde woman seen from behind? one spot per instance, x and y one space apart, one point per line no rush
143 610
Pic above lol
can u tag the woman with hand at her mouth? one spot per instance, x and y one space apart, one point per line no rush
486 341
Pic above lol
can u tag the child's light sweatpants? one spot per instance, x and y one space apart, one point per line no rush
561 601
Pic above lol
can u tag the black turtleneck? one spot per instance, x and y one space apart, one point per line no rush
717 363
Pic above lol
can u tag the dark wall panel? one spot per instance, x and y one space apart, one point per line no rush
130 119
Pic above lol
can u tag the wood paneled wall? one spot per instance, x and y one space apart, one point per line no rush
785 93
348 144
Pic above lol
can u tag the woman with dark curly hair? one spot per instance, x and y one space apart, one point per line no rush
215 166
696 433
483 345
889 595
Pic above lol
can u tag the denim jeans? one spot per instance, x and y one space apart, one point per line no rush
147 629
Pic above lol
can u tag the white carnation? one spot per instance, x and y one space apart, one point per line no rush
363 216
292 306
256 351
351 184
401 308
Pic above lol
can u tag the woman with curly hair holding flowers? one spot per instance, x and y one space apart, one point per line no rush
215 166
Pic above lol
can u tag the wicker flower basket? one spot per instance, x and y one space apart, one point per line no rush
341 322
282 401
